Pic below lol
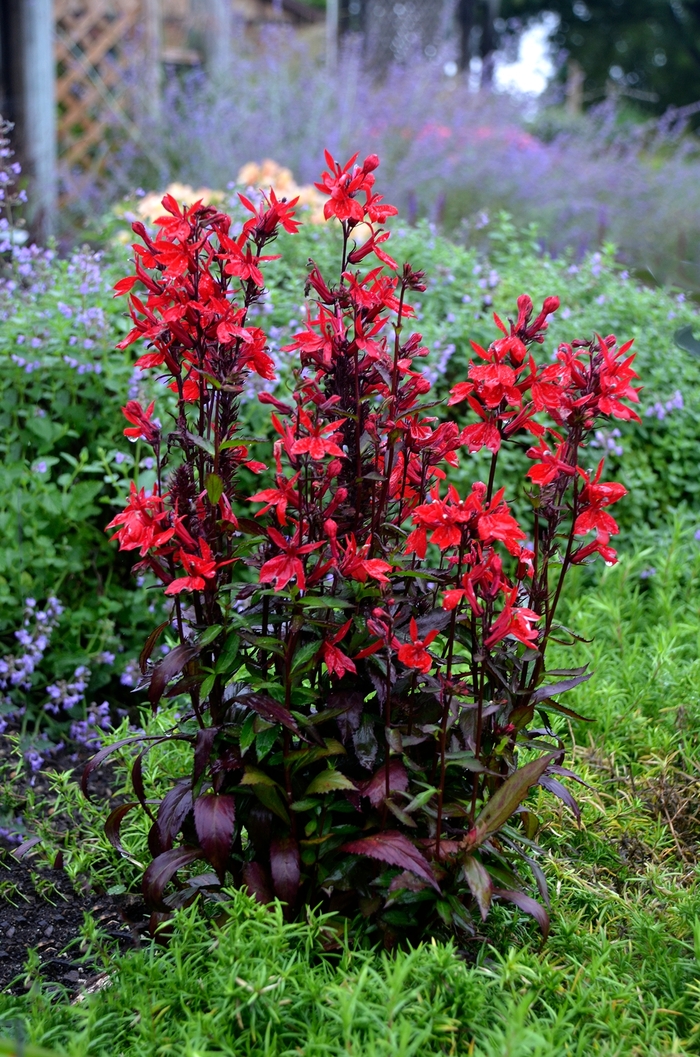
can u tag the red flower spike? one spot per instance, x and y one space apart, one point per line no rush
414 654
142 428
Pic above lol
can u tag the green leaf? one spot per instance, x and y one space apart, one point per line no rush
506 799
270 797
327 781
247 735
215 487
254 776
264 742
228 654
206 686
210 634
305 654
684 340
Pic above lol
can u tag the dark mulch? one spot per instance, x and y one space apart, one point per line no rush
41 910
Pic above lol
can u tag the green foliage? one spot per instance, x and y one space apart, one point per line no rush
618 975
51 522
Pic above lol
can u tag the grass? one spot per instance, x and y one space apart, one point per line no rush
620 974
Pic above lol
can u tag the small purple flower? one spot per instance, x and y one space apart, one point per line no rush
646 573
34 760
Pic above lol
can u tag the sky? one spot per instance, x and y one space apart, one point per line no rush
534 66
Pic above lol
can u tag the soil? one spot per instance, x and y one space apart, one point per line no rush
42 911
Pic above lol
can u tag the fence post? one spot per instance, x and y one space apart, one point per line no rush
33 78
153 41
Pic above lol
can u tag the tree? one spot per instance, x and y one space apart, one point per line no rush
648 50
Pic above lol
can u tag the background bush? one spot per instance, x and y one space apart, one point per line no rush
66 464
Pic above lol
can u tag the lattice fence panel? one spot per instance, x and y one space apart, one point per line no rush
98 45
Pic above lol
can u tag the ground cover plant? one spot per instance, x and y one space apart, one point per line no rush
318 765
618 974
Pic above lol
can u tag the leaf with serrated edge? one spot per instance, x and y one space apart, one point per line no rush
480 884
395 849
506 799
327 781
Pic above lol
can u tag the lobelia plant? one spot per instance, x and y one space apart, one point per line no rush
364 657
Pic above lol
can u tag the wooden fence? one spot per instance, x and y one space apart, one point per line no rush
103 46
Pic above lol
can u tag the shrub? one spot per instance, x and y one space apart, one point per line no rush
362 657
449 152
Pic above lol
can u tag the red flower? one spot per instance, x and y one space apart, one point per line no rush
550 465
199 568
337 662
140 521
143 428
358 566
242 262
444 518
594 498
414 654
514 621
316 444
499 524
280 498
287 565
272 212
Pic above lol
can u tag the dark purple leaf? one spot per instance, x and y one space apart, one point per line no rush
137 781
174 809
394 849
528 905
285 866
163 869
480 884
406 880
375 788
167 669
543 692
567 673
365 742
270 710
565 772
435 621
540 879
560 791
97 759
202 751
113 825
348 718
562 710
257 881
506 799
150 645
214 820
25 846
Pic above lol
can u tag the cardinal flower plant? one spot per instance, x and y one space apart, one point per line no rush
361 647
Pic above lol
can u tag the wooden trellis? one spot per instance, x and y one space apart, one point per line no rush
98 43
109 60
